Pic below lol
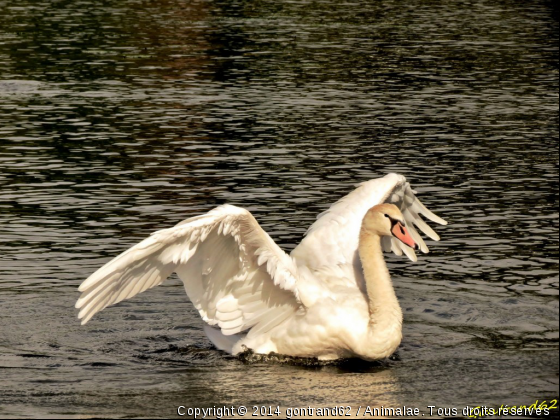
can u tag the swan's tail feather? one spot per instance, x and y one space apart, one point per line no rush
221 341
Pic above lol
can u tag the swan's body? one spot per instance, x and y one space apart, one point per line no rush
331 298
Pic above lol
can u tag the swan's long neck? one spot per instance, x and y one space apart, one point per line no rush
384 309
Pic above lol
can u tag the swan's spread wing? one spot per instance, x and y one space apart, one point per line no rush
233 272
405 199
333 239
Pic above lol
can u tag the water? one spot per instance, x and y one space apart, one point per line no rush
119 118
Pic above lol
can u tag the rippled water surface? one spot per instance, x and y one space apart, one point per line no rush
118 118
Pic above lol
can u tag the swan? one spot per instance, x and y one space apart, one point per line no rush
331 298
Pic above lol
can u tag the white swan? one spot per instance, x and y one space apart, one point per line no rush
331 298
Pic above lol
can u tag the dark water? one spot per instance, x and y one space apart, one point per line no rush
119 118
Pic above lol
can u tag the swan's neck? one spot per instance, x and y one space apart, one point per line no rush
384 309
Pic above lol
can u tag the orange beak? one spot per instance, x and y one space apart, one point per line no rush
400 232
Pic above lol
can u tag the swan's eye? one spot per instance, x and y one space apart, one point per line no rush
386 215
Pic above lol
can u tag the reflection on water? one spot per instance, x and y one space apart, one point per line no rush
120 119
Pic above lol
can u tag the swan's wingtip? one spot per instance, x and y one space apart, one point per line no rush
400 177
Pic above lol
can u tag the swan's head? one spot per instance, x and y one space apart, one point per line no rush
387 220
